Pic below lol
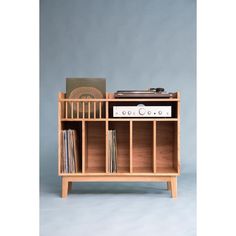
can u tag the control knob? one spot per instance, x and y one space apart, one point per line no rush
142 111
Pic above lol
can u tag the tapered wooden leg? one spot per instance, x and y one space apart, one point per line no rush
64 190
168 186
69 186
173 186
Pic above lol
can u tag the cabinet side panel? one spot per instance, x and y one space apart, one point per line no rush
59 128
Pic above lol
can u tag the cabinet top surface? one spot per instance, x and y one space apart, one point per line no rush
110 97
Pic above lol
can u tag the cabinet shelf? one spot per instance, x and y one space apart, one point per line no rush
120 119
147 148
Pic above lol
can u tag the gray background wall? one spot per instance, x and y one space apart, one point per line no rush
135 44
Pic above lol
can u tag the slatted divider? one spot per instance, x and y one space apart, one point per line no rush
83 109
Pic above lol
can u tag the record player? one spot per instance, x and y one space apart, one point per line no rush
149 93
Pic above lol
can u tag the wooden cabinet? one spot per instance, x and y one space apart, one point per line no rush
148 149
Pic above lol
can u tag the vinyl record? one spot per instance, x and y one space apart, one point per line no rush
86 93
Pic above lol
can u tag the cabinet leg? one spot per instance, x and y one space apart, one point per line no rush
69 186
168 186
64 185
173 186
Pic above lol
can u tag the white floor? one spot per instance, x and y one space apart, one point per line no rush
119 209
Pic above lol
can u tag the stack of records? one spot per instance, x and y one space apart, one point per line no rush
69 151
112 151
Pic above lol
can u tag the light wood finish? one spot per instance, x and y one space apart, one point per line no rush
112 119
66 110
143 119
89 110
64 191
169 170
100 110
117 178
165 147
96 147
83 119
148 149
59 123
123 99
142 146
123 145
95 110
107 145
97 172
178 135
173 187
83 110
72 110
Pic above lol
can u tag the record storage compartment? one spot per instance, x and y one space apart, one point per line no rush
147 148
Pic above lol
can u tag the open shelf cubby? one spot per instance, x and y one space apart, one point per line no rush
148 149
166 147
123 145
95 147
142 157
67 125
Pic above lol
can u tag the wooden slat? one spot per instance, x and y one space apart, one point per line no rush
66 109
100 109
131 146
94 110
154 146
77 109
83 109
72 110
83 146
89 110
106 110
